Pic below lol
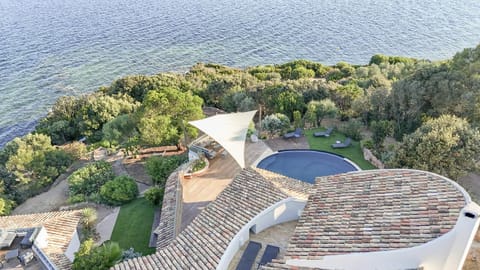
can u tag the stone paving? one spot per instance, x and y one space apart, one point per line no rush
278 235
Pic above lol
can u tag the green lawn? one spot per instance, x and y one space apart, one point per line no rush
353 152
133 226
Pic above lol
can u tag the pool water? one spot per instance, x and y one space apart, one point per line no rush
306 165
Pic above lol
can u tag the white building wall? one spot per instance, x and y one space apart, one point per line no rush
73 246
447 252
41 240
283 211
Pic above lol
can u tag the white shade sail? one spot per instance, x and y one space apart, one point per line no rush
229 130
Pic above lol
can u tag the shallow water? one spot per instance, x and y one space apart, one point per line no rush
51 48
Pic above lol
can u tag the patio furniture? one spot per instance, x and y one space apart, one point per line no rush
210 154
323 133
270 253
26 258
11 254
249 255
6 238
345 144
296 134
29 237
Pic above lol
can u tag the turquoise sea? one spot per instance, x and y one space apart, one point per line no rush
51 48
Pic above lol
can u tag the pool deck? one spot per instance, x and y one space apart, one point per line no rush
282 144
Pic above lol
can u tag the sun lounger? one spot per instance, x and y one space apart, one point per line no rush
270 253
248 257
6 238
323 133
296 134
345 144
210 154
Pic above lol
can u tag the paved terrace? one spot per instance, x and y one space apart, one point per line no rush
201 190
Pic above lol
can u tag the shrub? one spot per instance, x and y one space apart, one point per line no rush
98 258
120 190
154 195
76 198
159 168
90 178
198 165
130 254
276 123
352 129
6 206
75 149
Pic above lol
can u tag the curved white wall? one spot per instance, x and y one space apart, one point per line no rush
447 252
283 211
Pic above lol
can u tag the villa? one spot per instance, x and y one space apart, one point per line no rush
389 219
52 237
376 219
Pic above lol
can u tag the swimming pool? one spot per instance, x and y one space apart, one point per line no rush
306 165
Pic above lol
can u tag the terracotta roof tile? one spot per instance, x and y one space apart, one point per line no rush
60 227
202 244
373 211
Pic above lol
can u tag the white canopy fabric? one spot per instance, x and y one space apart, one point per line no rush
229 130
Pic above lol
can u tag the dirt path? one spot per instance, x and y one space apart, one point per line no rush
51 200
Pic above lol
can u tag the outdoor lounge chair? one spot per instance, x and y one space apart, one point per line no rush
345 144
270 253
249 255
6 238
323 133
296 134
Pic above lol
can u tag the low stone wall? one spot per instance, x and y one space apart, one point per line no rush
368 155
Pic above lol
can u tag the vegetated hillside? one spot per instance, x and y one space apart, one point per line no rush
391 96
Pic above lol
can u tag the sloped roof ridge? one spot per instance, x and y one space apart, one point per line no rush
202 244
291 186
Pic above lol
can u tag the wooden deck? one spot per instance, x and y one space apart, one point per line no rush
199 191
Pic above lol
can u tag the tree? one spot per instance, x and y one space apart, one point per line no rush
165 114
119 129
276 123
344 95
160 168
154 195
32 158
317 110
297 119
447 145
380 130
120 190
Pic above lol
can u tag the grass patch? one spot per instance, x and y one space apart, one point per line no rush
133 226
353 152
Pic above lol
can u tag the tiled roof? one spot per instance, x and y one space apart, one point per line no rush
203 242
167 228
374 211
292 187
60 227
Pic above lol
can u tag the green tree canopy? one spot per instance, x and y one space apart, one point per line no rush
276 123
318 110
89 179
447 145
160 168
165 113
